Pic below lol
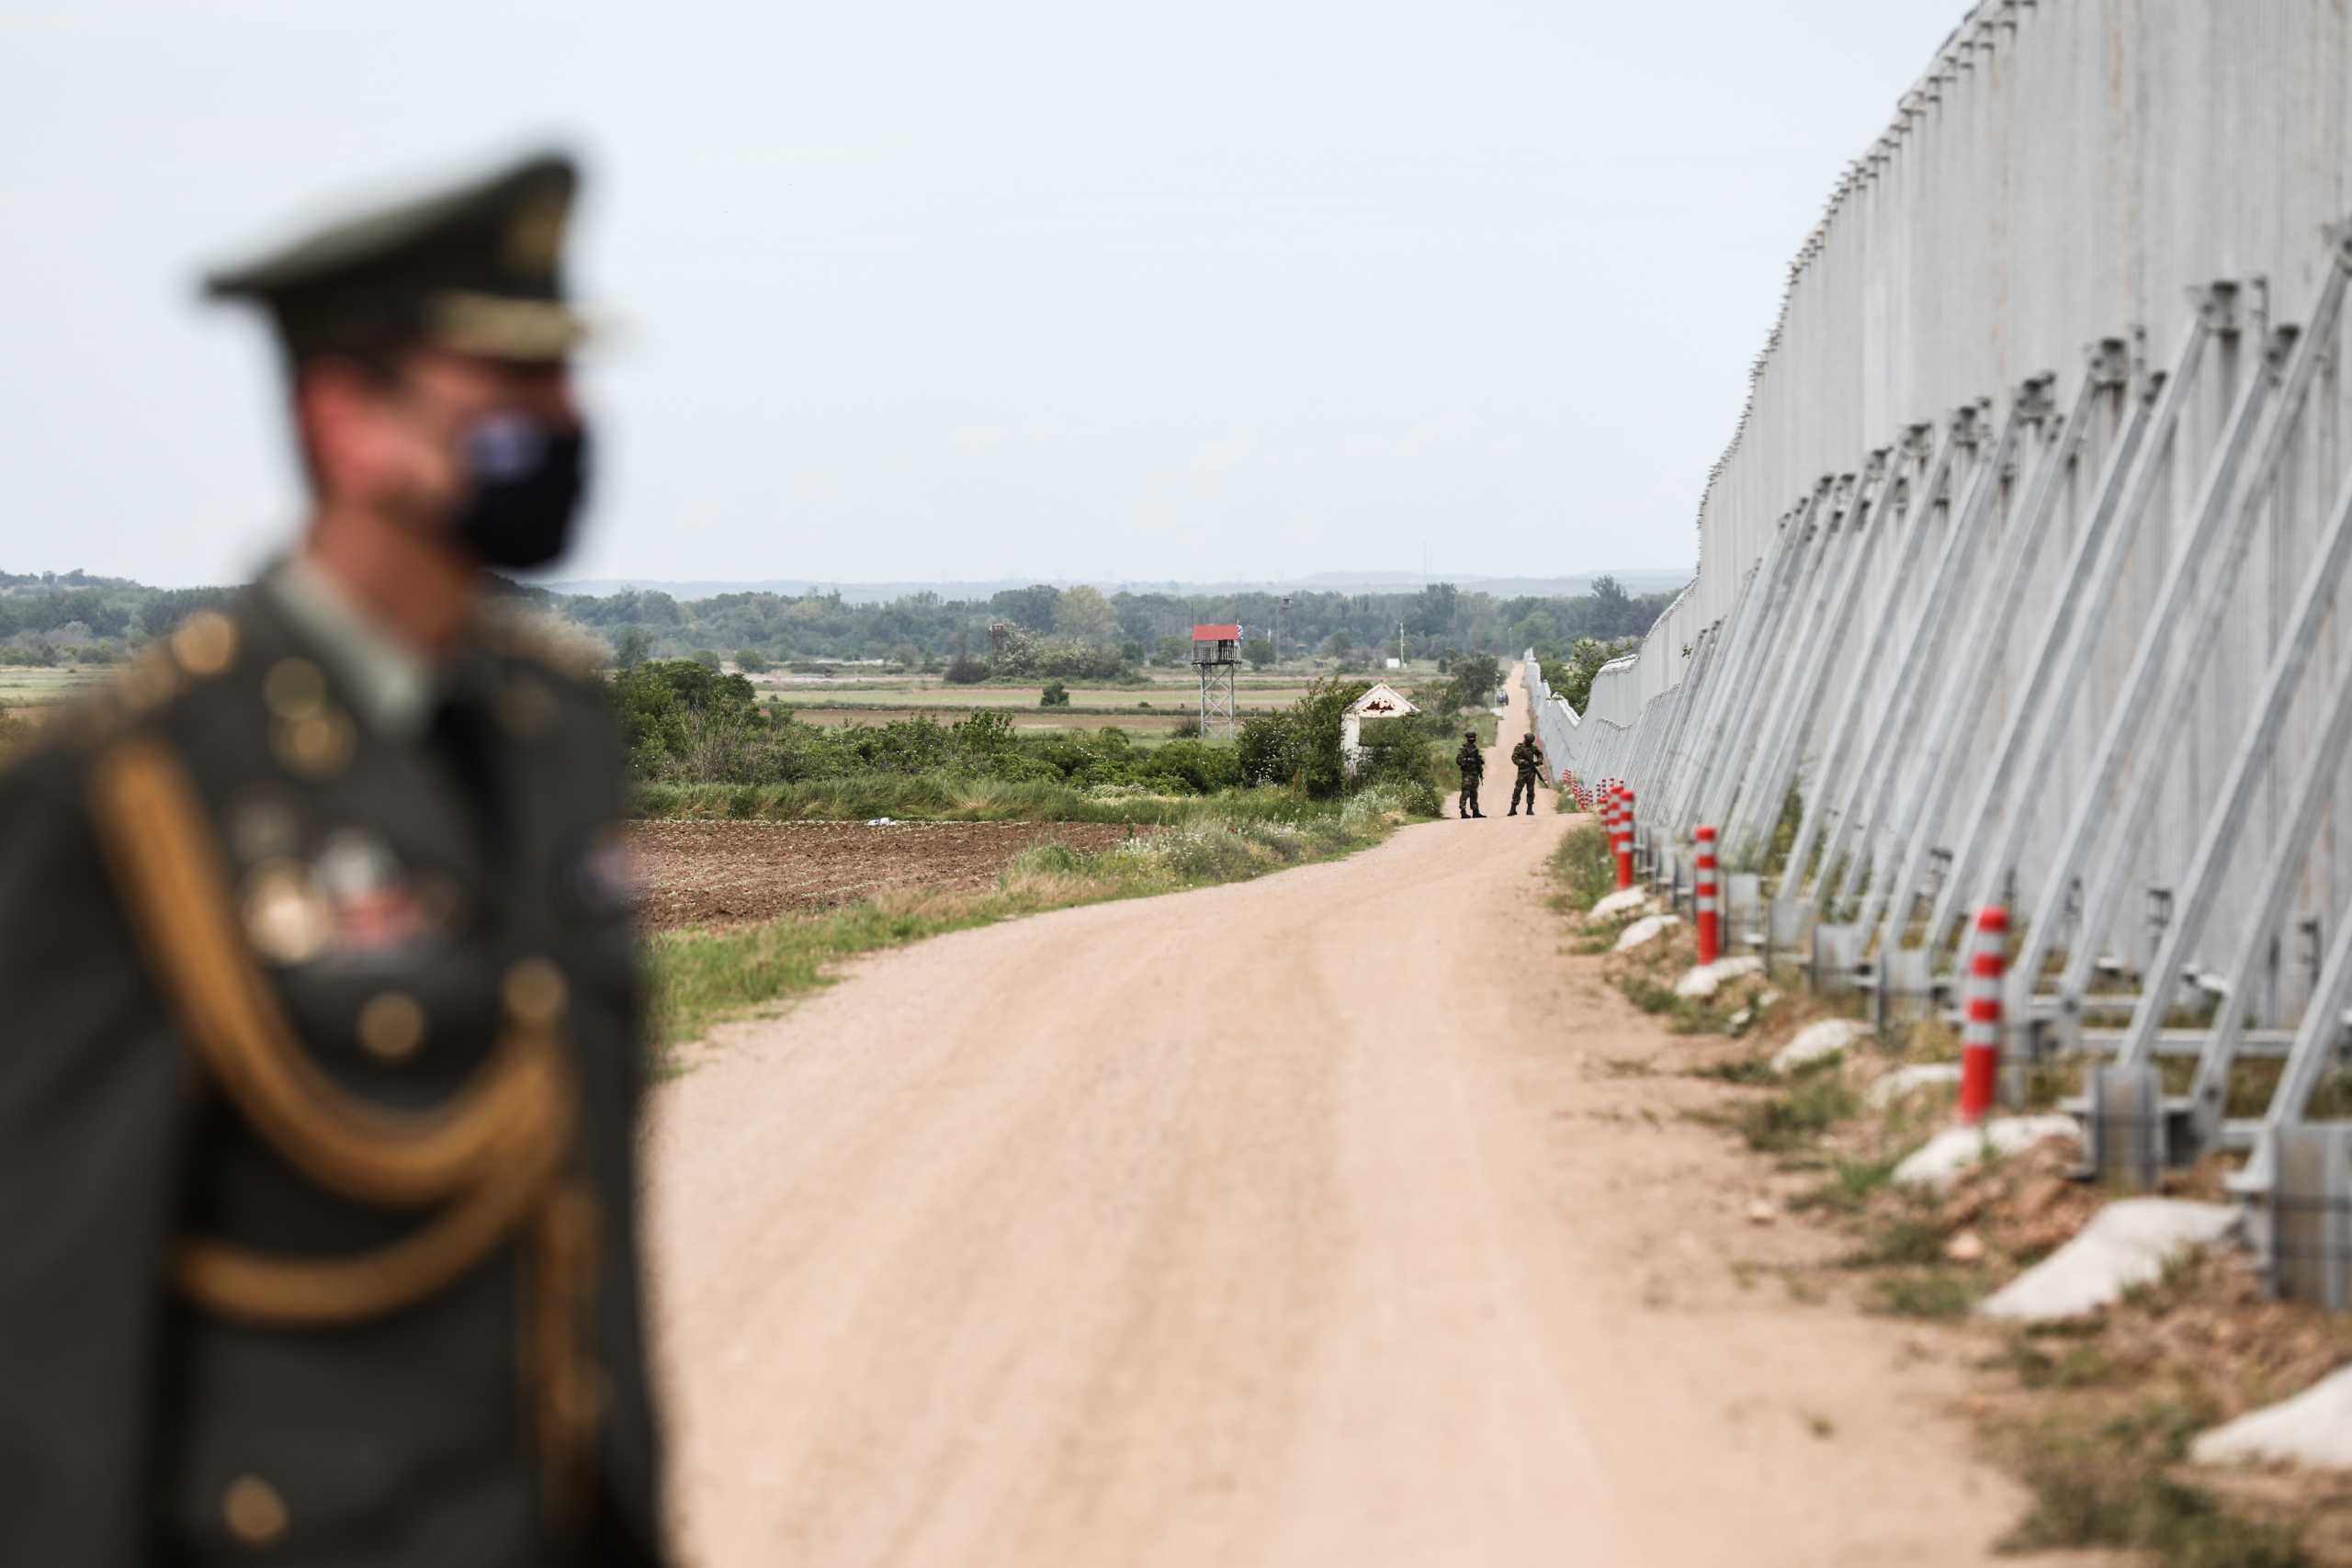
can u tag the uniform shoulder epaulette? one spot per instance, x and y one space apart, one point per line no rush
554 645
201 648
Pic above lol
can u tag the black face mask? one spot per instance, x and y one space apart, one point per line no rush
528 480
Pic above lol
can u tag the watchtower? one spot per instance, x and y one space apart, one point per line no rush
1216 656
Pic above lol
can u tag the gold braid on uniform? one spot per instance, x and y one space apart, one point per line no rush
491 1157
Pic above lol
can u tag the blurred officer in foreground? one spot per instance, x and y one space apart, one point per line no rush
1527 757
320 1063
1472 764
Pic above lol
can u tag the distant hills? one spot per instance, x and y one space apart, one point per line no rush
1636 580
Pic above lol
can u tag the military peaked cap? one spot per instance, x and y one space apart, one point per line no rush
477 269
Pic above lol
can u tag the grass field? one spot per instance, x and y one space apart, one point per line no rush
1155 721
1160 703
1156 707
27 686
922 694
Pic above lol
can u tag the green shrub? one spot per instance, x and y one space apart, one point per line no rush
1939 1294
1051 859
2111 1483
1793 1120
1199 766
1266 750
1585 867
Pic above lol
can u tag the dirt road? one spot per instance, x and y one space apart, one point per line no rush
1348 1240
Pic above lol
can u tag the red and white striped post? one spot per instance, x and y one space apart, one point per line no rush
1709 909
1624 838
1980 1036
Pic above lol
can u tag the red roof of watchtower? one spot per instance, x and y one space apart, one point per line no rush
1217 634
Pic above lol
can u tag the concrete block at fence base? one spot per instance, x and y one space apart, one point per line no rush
1818 1042
1646 929
1904 1082
2313 1428
1632 901
1709 979
2127 1243
1939 1161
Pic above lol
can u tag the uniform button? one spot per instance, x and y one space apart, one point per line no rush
294 689
392 1026
317 746
254 1511
206 643
284 921
534 992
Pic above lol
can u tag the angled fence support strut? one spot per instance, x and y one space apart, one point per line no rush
2224 520
1769 670
2187 575
1837 818
1930 714
1918 674
1856 820
1671 757
2077 617
2226 817
1912 516
1740 652
2290 853
1758 810
2109 370
1730 684
1795 642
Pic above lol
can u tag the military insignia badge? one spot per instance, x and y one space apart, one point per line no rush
370 906
285 922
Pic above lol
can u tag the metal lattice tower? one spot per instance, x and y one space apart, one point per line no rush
1217 658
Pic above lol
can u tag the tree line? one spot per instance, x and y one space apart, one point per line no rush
1042 631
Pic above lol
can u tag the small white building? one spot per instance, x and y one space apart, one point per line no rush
1382 701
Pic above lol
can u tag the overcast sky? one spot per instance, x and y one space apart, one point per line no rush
955 290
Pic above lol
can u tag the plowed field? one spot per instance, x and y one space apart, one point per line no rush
718 874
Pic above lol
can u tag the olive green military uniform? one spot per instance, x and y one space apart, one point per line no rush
1527 757
318 1237
1472 764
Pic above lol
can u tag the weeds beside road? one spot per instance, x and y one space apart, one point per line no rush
2094 1414
702 978
954 797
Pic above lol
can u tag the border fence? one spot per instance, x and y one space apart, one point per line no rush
2017 580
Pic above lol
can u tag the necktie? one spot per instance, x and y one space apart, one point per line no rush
464 740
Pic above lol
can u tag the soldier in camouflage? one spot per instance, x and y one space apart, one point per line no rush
1527 757
1472 764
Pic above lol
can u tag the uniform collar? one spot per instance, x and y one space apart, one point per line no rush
392 686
